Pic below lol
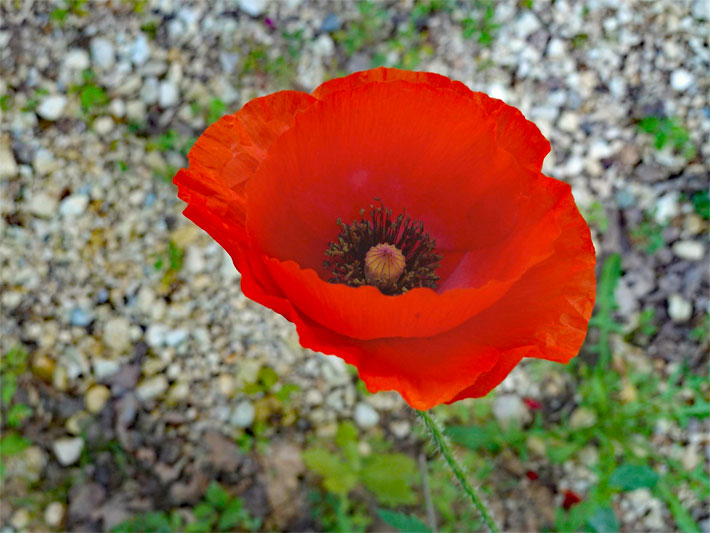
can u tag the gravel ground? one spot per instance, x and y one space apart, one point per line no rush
137 331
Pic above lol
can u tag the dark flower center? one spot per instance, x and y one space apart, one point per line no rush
393 255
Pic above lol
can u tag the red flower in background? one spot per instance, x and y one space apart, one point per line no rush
495 264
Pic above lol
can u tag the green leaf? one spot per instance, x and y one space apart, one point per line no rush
680 514
338 478
475 437
268 377
561 452
389 476
13 443
604 520
403 522
217 496
17 414
9 386
233 515
632 477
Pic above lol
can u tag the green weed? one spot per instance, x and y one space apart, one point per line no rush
648 235
481 25
12 413
91 95
364 31
389 477
701 203
667 131
218 511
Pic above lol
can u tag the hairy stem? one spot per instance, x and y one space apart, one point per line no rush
445 447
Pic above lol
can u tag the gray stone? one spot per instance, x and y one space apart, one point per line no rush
52 107
243 414
68 449
42 205
140 50
80 318
176 337
150 388
510 409
117 334
365 415
103 53
254 8
169 95
8 165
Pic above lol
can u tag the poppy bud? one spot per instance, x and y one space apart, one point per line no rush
384 265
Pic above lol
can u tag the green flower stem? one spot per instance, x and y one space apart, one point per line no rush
445 447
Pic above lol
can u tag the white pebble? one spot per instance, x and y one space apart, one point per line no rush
102 53
8 165
681 80
510 409
365 416
151 388
52 107
103 125
117 334
679 309
168 94
54 514
68 450
77 59
689 250
243 414
73 205
42 205
254 8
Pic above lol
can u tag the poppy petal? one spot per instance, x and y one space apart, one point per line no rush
514 132
226 155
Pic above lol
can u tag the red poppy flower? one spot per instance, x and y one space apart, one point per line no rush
495 263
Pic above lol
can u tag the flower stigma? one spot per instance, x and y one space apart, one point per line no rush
394 255
384 265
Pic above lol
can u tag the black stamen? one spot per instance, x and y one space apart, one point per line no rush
345 257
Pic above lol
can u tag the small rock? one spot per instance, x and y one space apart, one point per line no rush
96 397
102 53
76 59
117 335
178 392
243 414
8 165
104 368
254 8
330 23
681 80
582 418
42 205
223 452
84 500
20 519
80 318
667 207
226 384
140 50
150 388
168 95
400 428
510 409
701 9
556 48
104 125
52 107
73 205
54 514
43 366
44 162
679 309
68 450
689 250
365 415
228 61
176 337
527 24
